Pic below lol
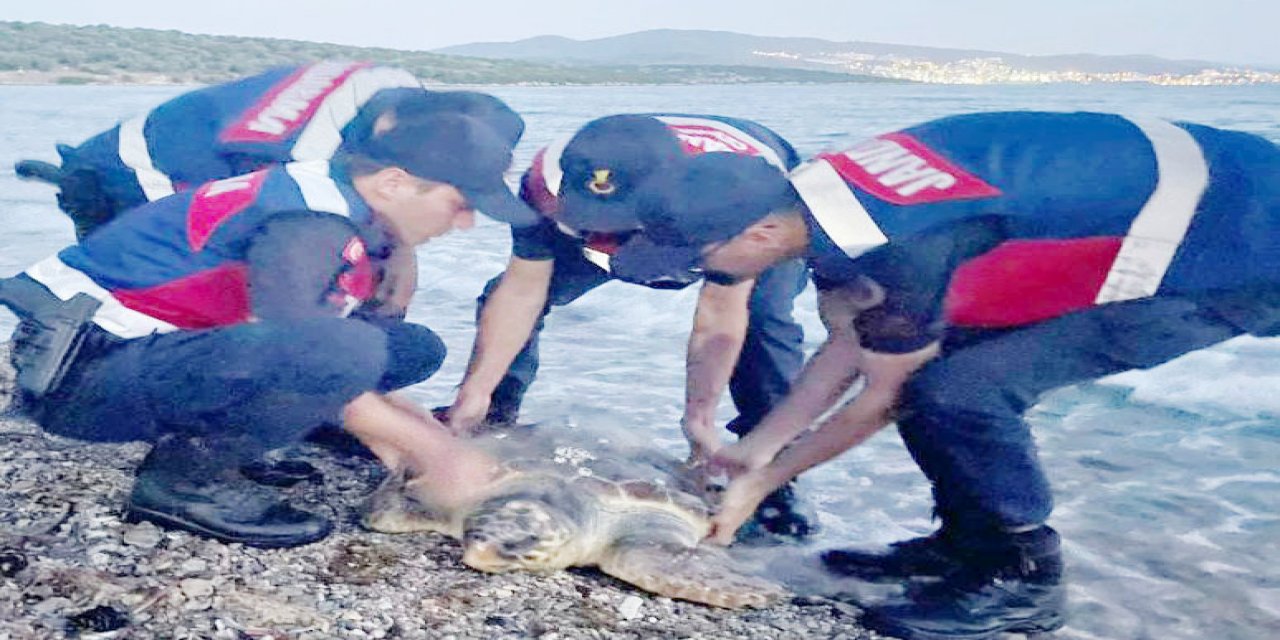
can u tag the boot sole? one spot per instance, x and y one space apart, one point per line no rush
134 514
1030 628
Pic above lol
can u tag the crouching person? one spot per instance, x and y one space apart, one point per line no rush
234 318
965 267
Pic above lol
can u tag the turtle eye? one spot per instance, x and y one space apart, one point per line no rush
519 546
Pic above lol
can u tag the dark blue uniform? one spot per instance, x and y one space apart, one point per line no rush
288 114
234 309
771 353
1042 250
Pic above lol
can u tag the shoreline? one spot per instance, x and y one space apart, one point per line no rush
74 79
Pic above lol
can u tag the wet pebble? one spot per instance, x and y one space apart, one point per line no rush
143 536
12 561
98 619
194 565
630 607
196 588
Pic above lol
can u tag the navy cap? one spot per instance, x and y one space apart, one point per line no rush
484 107
459 150
609 164
715 198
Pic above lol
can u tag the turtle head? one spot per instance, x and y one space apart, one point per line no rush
521 532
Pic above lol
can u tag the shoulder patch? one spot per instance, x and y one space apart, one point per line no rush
357 281
289 104
897 168
697 139
707 135
214 202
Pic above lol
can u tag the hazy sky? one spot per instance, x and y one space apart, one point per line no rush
1246 31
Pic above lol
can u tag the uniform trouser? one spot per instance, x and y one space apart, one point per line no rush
253 387
961 416
772 352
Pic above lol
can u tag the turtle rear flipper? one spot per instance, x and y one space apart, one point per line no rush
705 575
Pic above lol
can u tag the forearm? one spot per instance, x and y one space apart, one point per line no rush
452 470
823 381
715 343
507 320
886 374
849 427
398 436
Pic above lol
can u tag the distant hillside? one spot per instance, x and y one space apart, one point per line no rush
676 46
44 53
669 46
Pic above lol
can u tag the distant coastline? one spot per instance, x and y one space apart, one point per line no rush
34 53
39 53
72 78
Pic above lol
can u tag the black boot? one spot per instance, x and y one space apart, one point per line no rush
782 517
339 441
931 556
281 473
184 484
1015 586
498 418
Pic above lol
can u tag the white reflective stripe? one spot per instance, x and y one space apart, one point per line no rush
135 155
598 258
319 191
322 135
65 282
552 175
766 151
836 209
1159 228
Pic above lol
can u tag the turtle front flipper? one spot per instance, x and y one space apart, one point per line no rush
704 574
396 507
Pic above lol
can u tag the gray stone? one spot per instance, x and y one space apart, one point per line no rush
196 588
144 536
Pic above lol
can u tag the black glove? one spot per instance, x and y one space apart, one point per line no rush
84 200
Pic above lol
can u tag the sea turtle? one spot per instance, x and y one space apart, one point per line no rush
629 511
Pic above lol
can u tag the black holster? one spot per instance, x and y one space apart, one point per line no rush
49 335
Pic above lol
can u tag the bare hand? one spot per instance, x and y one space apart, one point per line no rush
467 411
701 447
736 459
737 504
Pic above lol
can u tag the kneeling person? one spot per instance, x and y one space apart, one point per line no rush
233 318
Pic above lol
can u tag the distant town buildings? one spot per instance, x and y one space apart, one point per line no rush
994 70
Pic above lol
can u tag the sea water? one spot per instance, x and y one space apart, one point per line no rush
1167 481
